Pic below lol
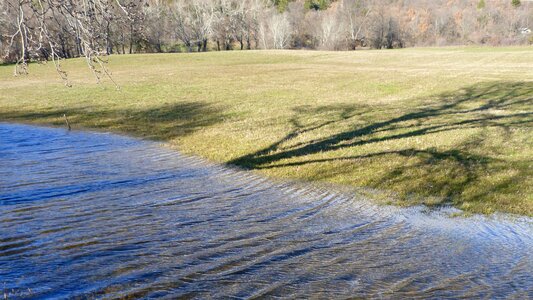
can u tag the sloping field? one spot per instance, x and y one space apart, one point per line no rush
433 126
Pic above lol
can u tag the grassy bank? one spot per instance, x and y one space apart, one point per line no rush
426 126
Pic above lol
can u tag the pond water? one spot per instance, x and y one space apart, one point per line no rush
97 215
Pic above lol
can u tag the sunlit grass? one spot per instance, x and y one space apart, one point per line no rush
433 126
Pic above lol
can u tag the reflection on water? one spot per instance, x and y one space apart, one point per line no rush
98 215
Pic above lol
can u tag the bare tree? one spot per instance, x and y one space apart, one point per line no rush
156 25
42 27
51 30
275 30
225 23
327 29
355 15
182 21
202 17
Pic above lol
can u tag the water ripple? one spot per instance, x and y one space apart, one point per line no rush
95 215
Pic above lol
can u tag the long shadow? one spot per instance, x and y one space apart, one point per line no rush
163 122
495 96
457 171
447 171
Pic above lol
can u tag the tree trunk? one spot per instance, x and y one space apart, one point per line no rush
109 46
78 44
131 38
63 48
45 53
227 45
189 46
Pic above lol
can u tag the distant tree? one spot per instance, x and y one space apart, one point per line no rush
156 26
355 15
182 28
245 22
133 22
326 29
385 31
51 30
202 16
225 23
299 22
280 30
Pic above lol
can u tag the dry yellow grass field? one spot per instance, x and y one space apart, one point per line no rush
433 126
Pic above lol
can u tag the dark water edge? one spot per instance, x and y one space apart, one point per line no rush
97 215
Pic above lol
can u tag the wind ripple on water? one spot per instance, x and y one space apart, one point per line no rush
100 215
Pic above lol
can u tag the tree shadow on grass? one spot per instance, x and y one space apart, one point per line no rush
164 122
455 147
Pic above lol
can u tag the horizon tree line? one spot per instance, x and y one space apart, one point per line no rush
51 30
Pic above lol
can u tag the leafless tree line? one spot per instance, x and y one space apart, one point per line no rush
49 30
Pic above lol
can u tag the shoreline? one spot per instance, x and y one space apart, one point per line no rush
356 193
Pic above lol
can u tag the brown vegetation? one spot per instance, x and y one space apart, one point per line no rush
48 29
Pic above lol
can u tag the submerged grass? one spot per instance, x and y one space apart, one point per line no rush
432 126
